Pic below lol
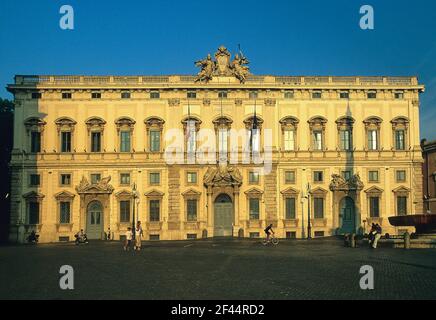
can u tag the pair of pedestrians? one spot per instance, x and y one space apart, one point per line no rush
375 235
137 240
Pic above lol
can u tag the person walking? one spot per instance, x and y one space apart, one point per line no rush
128 242
138 236
371 235
377 236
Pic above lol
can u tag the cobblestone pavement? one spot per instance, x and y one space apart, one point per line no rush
320 269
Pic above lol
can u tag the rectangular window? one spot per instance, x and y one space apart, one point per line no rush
401 175
154 178
399 140
399 95
155 141
372 140
154 210
191 137
401 206
373 176
125 211
66 141
155 95
291 235
33 212
65 179
344 95
289 177
290 208
289 136
289 94
372 95
35 180
125 141
253 177
254 235
254 139
316 95
253 95
154 237
317 140
374 208
191 177
65 212
66 95
95 141
254 209
95 178
319 234
191 236
36 95
191 95
345 137
125 95
318 207
222 95
95 95
191 210
318 176
223 136
35 142
125 179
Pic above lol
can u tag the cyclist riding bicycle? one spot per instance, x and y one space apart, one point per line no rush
268 231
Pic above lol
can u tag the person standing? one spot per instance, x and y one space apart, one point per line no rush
138 236
128 242
377 236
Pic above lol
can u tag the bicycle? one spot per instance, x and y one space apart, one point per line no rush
272 240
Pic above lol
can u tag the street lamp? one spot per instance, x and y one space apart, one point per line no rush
303 231
135 201
309 227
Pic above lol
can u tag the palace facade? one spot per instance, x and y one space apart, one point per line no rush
90 153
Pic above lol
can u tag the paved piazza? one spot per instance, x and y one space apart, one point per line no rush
320 269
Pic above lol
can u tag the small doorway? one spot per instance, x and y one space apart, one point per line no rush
223 216
94 220
347 215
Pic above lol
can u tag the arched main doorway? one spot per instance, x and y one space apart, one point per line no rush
223 216
347 215
94 220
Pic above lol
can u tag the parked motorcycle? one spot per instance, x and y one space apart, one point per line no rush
81 238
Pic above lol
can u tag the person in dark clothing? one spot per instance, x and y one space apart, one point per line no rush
268 231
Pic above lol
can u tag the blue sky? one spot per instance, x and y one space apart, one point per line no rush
308 37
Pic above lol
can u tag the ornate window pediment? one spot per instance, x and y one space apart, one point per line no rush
125 122
374 122
289 123
65 123
249 122
401 191
95 123
290 192
400 123
345 122
196 120
34 123
319 192
317 122
32 195
191 194
154 123
64 195
154 194
124 194
222 123
374 191
254 193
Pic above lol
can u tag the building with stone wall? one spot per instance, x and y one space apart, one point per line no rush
92 151
429 173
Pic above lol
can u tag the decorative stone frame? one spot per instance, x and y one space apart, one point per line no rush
185 122
343 124
124 195
95 124
318 193
400 123
289 124
254 193
191 194
187 183
290 193
401 192
38 198
154 124
249 125
222 123
125 124
154 195
373 123
374 192
317 123
35 124
64 196
65 124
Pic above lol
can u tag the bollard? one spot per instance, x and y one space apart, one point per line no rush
406 240
353 240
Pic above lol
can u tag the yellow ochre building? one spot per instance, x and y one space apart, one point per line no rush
95 152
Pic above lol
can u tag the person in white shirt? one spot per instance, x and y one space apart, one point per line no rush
138 236
128 242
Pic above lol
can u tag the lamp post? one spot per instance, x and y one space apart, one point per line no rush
135 199
303 231
309 227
